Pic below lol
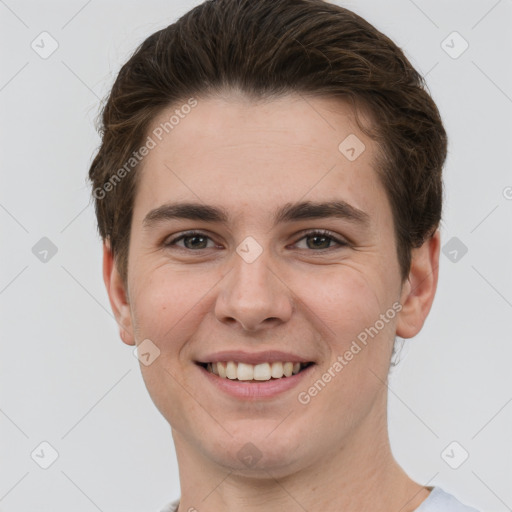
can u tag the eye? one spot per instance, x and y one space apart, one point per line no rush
318 240
321 240
191 240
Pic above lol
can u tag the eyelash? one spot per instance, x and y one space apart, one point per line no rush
317 232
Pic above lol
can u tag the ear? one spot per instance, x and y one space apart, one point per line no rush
117 295
420 288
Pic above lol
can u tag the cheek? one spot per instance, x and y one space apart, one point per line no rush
166 302
347 306
171 305
166 310
344 301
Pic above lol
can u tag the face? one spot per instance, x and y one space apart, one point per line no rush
285 254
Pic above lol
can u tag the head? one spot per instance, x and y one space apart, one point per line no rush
248 109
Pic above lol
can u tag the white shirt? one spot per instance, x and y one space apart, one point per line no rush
437 501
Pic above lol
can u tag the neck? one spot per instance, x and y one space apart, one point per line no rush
361 474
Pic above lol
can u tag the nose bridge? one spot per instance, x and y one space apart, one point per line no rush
251 294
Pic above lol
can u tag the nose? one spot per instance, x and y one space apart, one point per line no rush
253 296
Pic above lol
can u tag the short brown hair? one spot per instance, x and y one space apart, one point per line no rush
268 48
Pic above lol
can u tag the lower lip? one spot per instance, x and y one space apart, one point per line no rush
255 390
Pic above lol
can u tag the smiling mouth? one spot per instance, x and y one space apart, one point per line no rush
254 372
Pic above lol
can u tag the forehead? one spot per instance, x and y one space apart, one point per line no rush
250 156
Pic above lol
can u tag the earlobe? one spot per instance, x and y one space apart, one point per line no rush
419 290
117 295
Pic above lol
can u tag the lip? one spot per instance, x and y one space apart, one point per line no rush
239 356
255 390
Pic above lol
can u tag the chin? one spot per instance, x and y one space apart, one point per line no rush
259 456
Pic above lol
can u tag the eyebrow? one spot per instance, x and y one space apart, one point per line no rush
290 212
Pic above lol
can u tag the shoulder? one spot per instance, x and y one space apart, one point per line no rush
440 501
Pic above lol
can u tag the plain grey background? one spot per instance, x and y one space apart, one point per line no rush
68 380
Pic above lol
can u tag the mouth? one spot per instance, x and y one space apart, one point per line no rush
254 373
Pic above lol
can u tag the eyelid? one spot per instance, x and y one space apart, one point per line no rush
323 232
302 234
171 241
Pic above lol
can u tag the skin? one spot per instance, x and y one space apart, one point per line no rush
251 158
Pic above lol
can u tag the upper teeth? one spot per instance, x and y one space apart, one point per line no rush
262 371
